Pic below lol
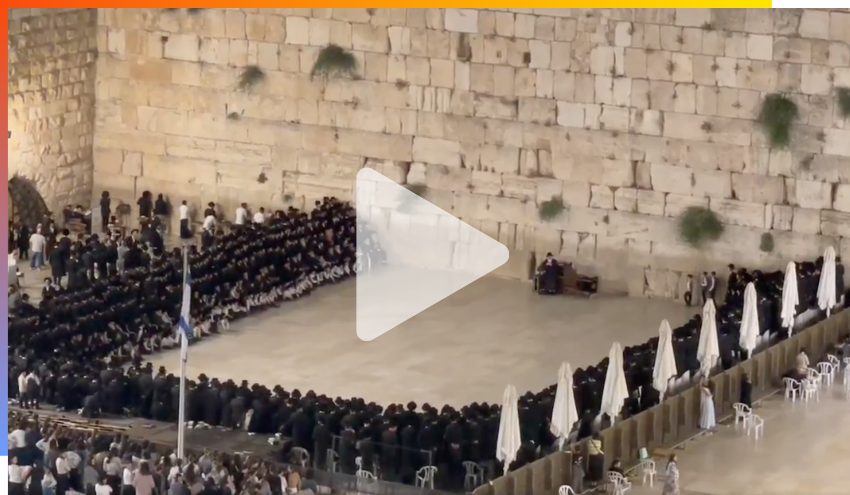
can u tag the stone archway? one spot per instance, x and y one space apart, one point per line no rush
25 203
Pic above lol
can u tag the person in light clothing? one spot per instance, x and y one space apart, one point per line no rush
63 470
209 223
37 244
241 215
102 488
260 216
185 233
671 478
707 419
18 476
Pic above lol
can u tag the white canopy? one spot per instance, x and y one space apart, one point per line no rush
826 286
564 414
665 359
509 441
615 392
708 350
749 320
790 297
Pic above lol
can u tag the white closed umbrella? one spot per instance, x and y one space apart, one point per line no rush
708 351
615 392
826 286
509 441
790 297
750 320
564 413
665 360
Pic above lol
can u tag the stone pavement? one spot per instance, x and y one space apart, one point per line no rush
804 450
466 348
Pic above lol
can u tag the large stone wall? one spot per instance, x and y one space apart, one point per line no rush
52 55
628 115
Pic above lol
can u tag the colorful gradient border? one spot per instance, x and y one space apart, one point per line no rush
4 240
4 204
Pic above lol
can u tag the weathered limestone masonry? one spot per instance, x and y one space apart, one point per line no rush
52 55
629 115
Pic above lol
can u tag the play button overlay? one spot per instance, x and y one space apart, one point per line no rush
411 254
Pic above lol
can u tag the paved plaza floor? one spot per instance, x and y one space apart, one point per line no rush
804 451
464 349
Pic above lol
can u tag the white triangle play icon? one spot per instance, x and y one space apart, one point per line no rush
412 254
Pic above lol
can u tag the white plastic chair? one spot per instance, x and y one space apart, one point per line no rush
618 484
301 456
425 477
365 475
756 426
847 362
827 372
474 476
331 461
811 390
566 490
831 359
814 376
648 471
742 413
793 388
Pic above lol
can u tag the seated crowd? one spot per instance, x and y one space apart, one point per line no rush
71 351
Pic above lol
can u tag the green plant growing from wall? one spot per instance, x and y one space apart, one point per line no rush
767 243
250 76
777 115
334 60
551 209
842 96
699 226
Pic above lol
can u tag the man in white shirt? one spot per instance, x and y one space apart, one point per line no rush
260 216
37 244
17 439
241 215
18 476
209 223
185 233
33 390
22 388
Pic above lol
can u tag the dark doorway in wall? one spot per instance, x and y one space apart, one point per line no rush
25 203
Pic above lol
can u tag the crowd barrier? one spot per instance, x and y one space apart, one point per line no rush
675 420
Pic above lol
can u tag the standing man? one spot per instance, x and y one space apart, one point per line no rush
712 285
689 290
260 216
241 215
105 211
185 233
703 286
38 243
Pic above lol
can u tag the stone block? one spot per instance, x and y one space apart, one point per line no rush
570 114
489 183
806 221
734 212
601 197
712 184
842 198
816 80
782 216
672 179
649 122
368 38
839 26
809 194
537 111
179 170
760 47
462 20
614 118
541 54
503 209
651 202
758 188
500 159
837 142
625 199
436 151
524 188
576 193
297 31
835 223
676 204
495 107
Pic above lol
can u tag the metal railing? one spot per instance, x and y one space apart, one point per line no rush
676 419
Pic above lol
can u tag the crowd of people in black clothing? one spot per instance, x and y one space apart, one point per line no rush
72 349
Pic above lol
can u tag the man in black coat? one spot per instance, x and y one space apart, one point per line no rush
746 391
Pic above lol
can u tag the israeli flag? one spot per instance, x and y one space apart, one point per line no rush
185 322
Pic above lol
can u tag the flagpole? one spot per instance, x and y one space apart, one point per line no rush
181 415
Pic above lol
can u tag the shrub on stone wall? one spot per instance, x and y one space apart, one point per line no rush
777 115
699 226
842 96
250 76
551 209
334 60
766 244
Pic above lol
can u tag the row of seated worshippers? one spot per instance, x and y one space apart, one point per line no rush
395 441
